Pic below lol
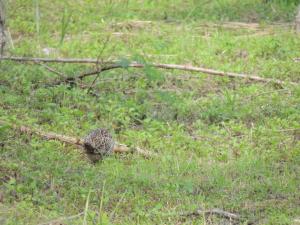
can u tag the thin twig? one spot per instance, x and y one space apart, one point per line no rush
47 135
83 75
241 25
97 65
218 212
97 71
115 65
93 82
52 70
50 60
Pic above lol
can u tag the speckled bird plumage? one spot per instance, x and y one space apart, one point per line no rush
99 142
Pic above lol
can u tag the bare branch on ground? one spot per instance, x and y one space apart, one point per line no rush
115 65
73 140
217 212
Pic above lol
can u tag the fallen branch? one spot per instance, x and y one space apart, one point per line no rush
72 80
242 25
190 68
220 213
50 60
120 148
115 65
217 212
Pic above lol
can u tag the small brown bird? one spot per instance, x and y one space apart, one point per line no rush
100 143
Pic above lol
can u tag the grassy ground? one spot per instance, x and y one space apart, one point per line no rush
222 143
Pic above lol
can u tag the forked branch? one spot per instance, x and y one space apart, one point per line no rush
109 65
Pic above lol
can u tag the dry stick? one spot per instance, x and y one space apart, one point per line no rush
115 65
47 135
52 70
186 68
241 25
72 140
100 62
189 68
216 211
82 75
97 71
50 60
93 82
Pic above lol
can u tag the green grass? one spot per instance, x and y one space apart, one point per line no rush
222 143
